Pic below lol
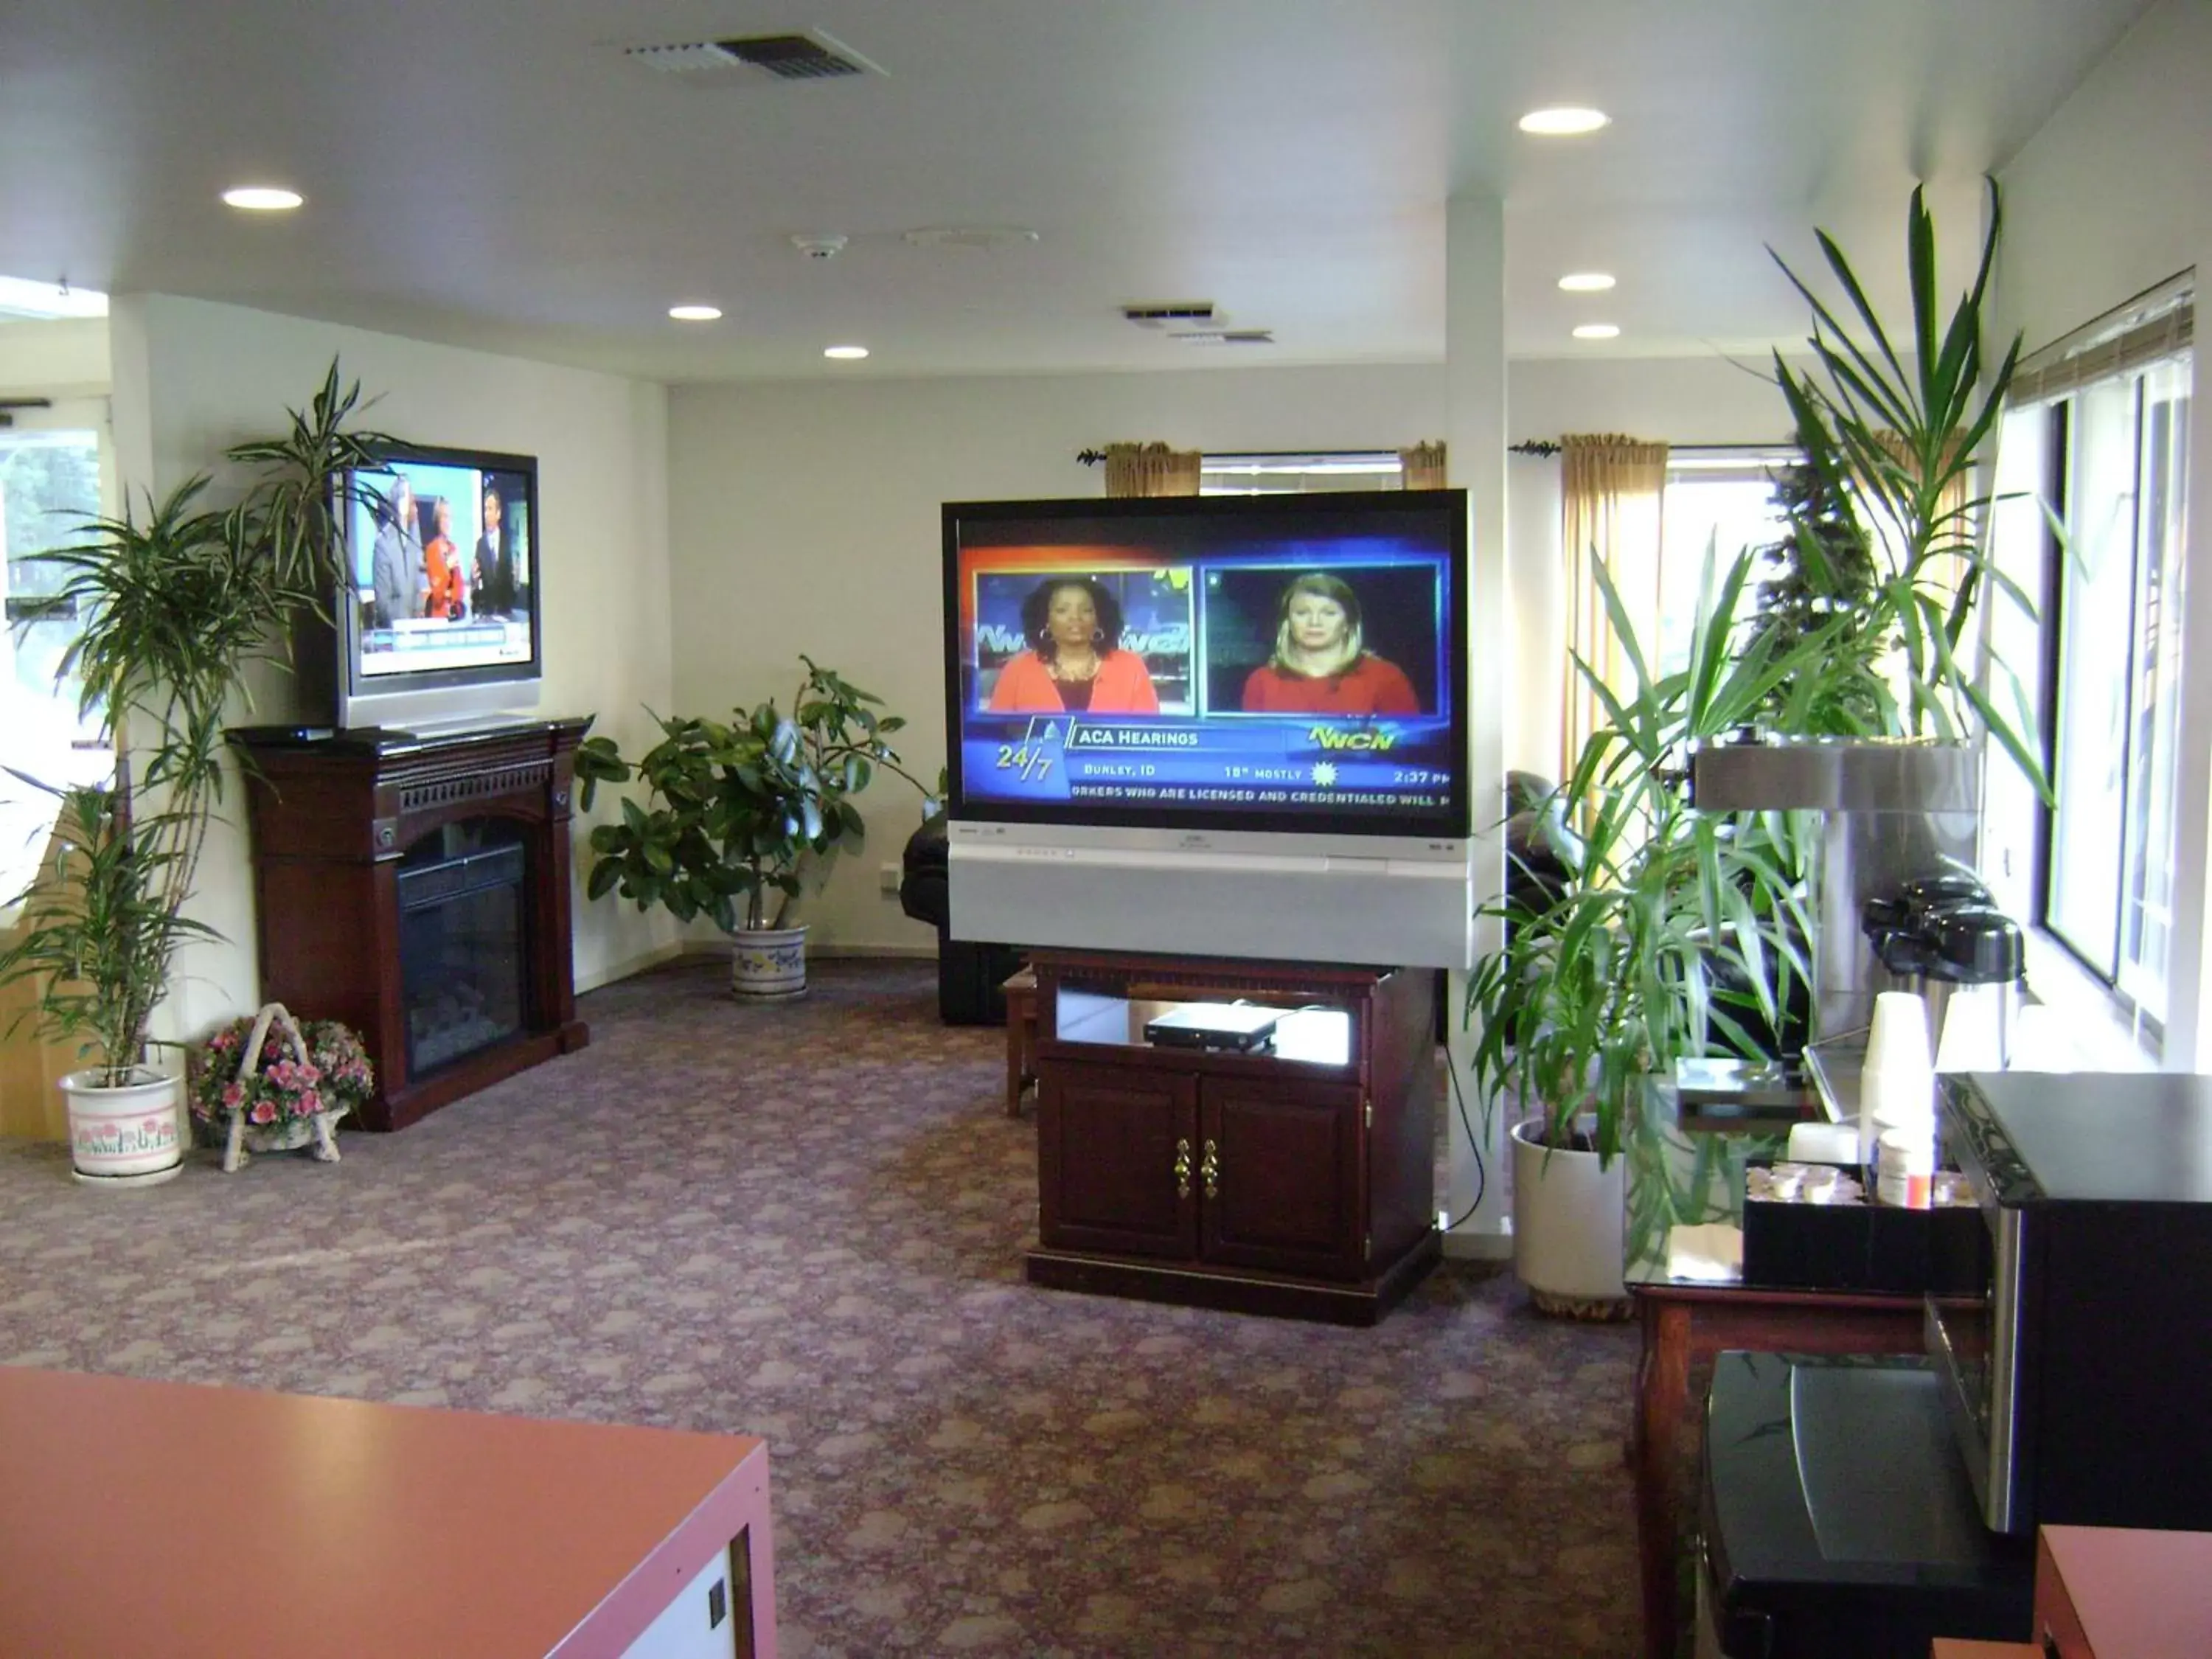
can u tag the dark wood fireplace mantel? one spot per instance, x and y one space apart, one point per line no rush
333 813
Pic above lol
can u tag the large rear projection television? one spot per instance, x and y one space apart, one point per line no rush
1221 726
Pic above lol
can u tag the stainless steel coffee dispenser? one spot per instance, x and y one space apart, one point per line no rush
1892 811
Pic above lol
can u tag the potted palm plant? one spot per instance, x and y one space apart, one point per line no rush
1674 933
1883 518
1680 933
176 603
737 814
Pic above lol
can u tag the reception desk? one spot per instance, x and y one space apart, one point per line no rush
141 1517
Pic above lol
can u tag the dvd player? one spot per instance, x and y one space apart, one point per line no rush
1238 1027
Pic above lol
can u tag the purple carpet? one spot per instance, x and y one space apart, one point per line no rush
806 1221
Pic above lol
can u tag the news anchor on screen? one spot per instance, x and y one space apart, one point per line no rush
1321 665
1076 663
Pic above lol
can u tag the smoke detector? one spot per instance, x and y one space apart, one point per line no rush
811 56
819 247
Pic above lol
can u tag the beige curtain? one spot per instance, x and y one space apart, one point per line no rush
30 1106
1611 488
1424 465
1151 470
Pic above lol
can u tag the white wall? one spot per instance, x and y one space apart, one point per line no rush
1674 400
193 378
2108 199
805 518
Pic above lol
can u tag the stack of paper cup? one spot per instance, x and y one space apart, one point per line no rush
1896 1090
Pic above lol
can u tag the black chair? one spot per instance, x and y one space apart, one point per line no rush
969 973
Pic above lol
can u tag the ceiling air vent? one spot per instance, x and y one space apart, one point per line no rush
1225 337
812 56
1161 313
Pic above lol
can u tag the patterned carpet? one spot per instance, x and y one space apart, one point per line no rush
806 1221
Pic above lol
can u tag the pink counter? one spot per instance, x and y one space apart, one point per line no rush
195 1523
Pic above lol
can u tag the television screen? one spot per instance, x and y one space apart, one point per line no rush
440 546
1235 662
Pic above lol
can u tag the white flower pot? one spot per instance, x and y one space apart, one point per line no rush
1569 1217
125 1135
767 965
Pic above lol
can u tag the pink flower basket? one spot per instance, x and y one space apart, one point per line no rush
268 1083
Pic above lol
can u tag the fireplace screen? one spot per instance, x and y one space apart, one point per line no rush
461 941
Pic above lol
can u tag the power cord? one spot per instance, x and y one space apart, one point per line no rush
1473 1144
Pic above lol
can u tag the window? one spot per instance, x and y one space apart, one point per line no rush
1722 499
2102 435
1291 474
50 479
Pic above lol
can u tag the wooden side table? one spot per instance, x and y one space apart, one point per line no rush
1684 1323
1021 991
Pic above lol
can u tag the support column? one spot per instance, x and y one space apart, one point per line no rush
1474 380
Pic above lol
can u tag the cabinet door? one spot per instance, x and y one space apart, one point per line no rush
1110 1142
1281 1175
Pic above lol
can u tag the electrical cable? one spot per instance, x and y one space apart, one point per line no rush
1474 1146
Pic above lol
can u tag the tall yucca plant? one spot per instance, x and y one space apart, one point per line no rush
175 604
1888 441
1677 931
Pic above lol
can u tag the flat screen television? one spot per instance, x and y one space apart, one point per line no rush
436 620
1233 724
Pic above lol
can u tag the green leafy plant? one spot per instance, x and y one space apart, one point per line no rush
176 603
737 814
1676 932
1883 528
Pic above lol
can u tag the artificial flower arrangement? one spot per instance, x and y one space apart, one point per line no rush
281 1088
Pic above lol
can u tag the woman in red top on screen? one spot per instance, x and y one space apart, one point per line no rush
1078 664
441 560
1321 665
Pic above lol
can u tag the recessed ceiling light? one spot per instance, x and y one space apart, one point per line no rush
1564 122
262 198
846 354
694 313
1597 331
1586 282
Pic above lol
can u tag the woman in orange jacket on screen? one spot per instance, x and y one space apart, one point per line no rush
1076 663
1321 665
449 592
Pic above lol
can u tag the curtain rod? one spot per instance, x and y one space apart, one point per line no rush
1547 447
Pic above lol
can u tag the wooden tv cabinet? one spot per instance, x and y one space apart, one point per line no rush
1299 1180
332 816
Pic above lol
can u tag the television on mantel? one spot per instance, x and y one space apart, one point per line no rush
435 622
1212 726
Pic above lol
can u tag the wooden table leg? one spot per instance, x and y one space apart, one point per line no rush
1662 1396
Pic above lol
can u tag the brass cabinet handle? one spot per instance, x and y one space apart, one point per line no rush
1209 1170
1183 1169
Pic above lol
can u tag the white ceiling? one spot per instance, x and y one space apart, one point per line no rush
497 174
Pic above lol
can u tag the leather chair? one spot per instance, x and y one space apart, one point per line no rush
969 973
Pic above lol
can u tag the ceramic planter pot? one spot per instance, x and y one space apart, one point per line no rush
127 1134
769 964
1568 1216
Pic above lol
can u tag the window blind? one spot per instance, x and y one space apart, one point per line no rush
2150 327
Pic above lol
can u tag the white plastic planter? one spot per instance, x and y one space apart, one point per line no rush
124 1136
768 963
1569 1218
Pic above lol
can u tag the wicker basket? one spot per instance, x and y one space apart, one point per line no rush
287 1134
